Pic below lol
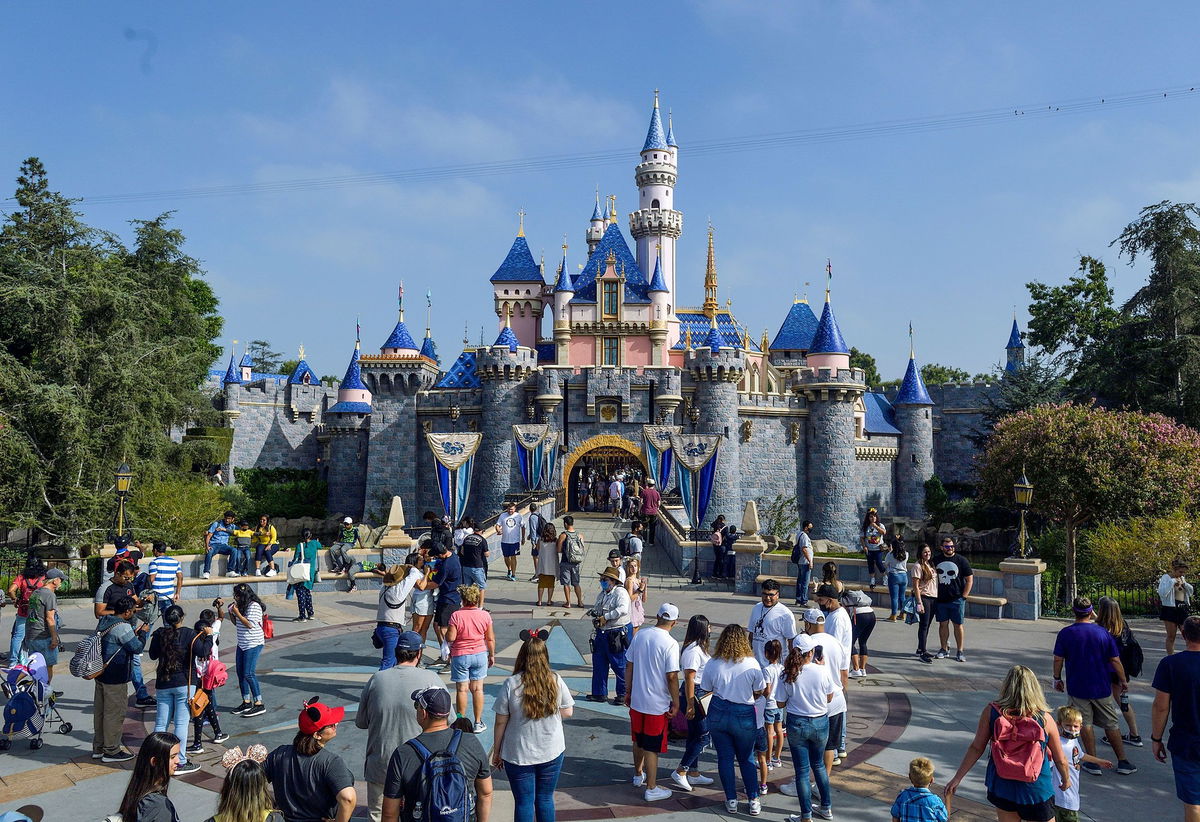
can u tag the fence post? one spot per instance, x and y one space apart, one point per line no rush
1022 579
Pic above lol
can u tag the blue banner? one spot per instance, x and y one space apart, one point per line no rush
659 453
695 466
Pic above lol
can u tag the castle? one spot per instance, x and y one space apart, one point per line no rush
795 418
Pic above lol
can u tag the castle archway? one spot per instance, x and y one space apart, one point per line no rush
599 456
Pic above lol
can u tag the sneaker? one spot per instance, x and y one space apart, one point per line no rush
195 749
271 573
241 709
258 709
1088 767
639 779
942 653
617 700
795 817
960 657
97 754
1126 767
731 806
230 574
789 789
841 754
927 659
186 768
855 673
122 756
755 806
299 619
681 781
837 759
1135 741
595 698
480 727
700 779
205 575
775 763
219 738
762 788
258 572
822 813
145 702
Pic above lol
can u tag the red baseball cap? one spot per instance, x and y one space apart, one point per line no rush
317 715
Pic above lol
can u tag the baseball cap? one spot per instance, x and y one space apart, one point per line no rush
348 520
121 542
668 611
55 573
26 813
803 643
435 701
827 591
614 554
409 641
813 616
649 482
316 715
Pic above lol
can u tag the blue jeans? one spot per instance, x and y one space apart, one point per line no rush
18 638
897 583
217 549
247 663
733 731
388 635
173 711
806 738
875 560
602 660
697 738
139 684
533 789
803 577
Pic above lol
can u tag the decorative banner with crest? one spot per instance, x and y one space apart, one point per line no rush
695 465
534 444
454 461
659 454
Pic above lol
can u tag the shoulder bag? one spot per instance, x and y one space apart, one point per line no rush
198 702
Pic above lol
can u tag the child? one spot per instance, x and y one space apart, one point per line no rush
767 715
918 803
239 561
773 715
1070 723
209 623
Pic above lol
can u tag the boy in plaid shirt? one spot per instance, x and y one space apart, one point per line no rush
918 803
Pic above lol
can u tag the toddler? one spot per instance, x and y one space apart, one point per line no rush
918 803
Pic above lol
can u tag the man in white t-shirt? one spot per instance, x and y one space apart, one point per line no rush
652 672
770 619
512 534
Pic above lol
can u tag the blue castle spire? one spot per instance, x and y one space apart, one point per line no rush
232 375
564 276
671 132
912 389
657 281
428 349
353 378
596 215
656 138
518 265
714 340
1015 350
246 362
400 338
507 337
828 337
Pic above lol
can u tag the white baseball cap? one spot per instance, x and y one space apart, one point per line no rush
803 643
668 611
649 482
813 616
348 521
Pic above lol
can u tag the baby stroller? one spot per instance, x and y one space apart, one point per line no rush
29 707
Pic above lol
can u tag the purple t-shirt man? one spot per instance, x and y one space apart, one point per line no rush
1088 650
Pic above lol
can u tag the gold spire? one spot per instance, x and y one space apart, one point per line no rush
301 350
521 227
542 264
507 316
612 212
687 339
710 279
765 345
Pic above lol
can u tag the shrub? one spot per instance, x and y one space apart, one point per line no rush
778 517
283 492
1139 550
176 509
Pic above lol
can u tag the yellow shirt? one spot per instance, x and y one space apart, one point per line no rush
242 538
267 537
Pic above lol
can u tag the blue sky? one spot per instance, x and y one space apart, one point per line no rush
942 228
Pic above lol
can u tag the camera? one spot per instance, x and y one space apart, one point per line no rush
218 602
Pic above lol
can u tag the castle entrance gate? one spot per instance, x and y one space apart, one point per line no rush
598 457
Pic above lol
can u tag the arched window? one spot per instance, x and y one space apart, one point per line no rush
654 204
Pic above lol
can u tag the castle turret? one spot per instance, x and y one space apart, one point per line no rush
716 368
1015 350
564 290
246 366
914 464
517 289
659 313
347 425
232 385
353 395
828 348
595 229
503 368
400 343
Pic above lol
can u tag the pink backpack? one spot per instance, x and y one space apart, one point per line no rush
215 674
1018 746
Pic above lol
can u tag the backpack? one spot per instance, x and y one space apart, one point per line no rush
1132 658
215 674
88 661
717 538
623 546
445 795
855 599
572 548
1018 746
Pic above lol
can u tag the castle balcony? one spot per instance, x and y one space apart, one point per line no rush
656 221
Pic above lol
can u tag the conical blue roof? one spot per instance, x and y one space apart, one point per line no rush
246 362
799 326
657 281
428 349
656 138
714 341
507 337
1014 337
596 215
635 280
400 337
519 266
828 337
233 376
671 135
461 373
564 278
353 378
302 368
912 390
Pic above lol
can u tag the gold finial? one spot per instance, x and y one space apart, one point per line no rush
766 342
746 338
612 213
795 298
564 245
611 259
301 350
687 339
542 264
507 316
728 304
656 98
521 227
710 306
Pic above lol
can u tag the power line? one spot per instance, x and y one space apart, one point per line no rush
700 148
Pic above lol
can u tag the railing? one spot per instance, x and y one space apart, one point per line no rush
1135 599
82 575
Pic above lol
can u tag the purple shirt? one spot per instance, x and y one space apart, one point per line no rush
1088 650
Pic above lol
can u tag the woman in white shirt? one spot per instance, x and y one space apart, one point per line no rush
805 692
247 613
391 617
1175 594
692 661
736 681
546 563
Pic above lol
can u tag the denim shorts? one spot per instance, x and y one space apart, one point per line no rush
1187 779
468 667
475 576
44 647
772 715
950 612
760 740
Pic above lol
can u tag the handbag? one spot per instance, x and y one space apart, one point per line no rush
268 627
299 573
198 702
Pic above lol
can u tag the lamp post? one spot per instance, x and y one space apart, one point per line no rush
124 478
1023 496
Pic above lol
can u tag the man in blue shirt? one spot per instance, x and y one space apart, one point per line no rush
216 540
1177 687
446 580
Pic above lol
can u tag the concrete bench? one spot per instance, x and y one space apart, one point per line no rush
881 599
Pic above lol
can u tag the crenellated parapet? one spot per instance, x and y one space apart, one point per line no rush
723 365
500 362
842 384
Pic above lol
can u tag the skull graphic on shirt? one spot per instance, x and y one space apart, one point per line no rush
947 573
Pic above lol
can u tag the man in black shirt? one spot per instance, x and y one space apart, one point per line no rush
473 556
446 580
955 578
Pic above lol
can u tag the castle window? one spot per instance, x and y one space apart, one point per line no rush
654 204
609 306
610 351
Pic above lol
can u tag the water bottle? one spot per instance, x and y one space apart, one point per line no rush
1124 703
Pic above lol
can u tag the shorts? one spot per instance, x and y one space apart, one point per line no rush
836 723
760 740
1037 812
510 549
1187 779
443 611
1065 815
473 667
44 647
568 573
649 731
772 715
1100 712
475 576
1173 613
422 603
545 581
950 612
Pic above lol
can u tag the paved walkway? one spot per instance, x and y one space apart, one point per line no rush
902 710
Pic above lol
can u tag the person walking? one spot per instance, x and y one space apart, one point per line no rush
266 545
572 550
652 674
31 577
120 643
925 588
473 555
247 613
391 615
610 614
305 553
955 579
1175 595
770 619
386 712
736 681
472 641
805 692
862 624
145 798
616 496
42 623
872 539
1177 696
718 540
896 563
311 782
447 579
802 558
693 657
1092 662
340 560
176 647
636 586
245 794
529 742
1020 703
1108 617
651 500
216 541
546 563
166 577
512 534
534 525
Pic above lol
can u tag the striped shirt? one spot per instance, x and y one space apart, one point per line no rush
164 570
251 637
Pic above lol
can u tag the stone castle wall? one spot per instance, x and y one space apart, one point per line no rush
276 427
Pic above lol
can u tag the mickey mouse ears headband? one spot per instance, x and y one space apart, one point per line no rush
234 756
529 633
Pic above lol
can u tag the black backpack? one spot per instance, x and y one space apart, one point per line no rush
445 795
623 546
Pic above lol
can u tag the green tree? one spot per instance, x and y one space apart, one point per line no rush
1038 382
1087 464
935 374
288 366
263 359
863 360
176 509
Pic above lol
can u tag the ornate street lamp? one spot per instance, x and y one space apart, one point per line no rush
455 413
124 478
693 414
1023 497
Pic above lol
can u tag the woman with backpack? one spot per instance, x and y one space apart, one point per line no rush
209 673
248 613
145 797
1108 617
32 577
1022 738
176 648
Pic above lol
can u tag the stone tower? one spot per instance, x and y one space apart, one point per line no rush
347 424
914 464
503 370
1015 350
716 368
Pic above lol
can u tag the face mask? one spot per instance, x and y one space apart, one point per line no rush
604 585
1070 735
